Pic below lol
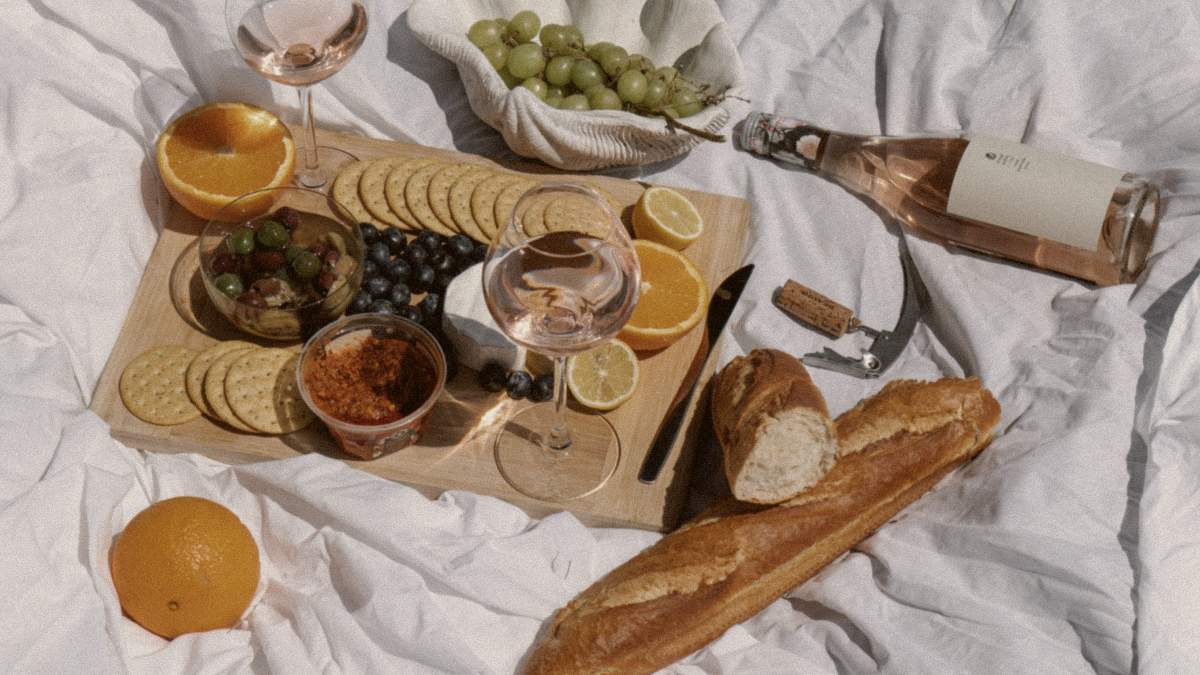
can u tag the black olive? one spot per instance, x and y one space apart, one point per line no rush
369 233
416 254
360 303
431 304
430 240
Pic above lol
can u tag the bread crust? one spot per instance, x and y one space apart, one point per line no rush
693 584
750 392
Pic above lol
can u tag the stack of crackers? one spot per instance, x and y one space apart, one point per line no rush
417 192
250 388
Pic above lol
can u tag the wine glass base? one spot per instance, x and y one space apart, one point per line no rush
556 476
330 161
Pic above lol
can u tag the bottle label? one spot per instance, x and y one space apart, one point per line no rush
1033 191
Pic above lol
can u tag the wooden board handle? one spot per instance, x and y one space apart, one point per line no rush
816 310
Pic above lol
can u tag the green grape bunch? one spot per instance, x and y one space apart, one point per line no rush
561 69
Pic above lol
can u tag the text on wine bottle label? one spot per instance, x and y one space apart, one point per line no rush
1033 191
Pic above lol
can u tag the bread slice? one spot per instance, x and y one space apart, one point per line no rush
693 584
773 426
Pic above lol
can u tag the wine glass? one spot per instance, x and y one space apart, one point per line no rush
300 43
560 278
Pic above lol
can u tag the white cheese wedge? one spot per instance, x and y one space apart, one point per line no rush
470 328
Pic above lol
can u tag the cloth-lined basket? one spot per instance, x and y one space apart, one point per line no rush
689 34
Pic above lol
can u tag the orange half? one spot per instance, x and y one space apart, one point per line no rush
671 301
211 155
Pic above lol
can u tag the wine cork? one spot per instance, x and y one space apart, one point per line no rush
815 310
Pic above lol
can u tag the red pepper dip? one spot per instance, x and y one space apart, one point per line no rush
373 381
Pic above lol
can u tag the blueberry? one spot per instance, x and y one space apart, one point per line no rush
480 252
400 295
398 271
543 388
436 257
395 240
369 233
360 303
519 384
431 304
416 254
382 307
411 312
447 264
442 281
423 278
493 377
378 287
430 240
370 269
460 246
379 254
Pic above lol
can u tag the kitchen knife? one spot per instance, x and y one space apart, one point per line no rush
719 308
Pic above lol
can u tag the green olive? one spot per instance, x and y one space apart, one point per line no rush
230 284
272 234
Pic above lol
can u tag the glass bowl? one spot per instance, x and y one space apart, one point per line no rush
374 397
286 287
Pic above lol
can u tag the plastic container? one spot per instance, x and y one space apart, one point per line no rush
369 441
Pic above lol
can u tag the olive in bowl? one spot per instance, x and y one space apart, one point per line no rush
285 274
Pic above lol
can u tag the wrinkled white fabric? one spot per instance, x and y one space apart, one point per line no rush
1069 546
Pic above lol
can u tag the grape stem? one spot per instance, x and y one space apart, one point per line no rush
674 124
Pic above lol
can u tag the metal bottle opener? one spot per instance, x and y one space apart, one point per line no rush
835 320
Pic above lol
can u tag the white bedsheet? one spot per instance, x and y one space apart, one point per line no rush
1070 545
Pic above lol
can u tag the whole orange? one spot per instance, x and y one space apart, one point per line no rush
185 565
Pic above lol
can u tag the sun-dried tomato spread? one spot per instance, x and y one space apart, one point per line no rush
376 381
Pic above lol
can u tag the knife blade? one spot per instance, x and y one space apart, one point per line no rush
720 307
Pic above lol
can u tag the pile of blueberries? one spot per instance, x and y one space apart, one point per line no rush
395 269
518 384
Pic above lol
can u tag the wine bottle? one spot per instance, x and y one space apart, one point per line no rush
993 196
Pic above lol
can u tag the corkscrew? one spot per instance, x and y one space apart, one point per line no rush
835 320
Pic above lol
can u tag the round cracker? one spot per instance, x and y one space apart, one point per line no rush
214 389
198 368
460 202
577 213
345 193
483 201
439 193
393 189
507 200
153 385
262 390
532 218
416 197
371 189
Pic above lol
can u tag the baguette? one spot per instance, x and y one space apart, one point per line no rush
693 584
773 427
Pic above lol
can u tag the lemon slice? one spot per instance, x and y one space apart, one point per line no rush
604 377
663 215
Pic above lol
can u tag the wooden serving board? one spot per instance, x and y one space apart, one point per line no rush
455 451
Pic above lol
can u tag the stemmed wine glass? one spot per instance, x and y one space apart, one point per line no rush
300 43
560 278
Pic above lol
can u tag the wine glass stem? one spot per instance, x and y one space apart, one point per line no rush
560 436
310 175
